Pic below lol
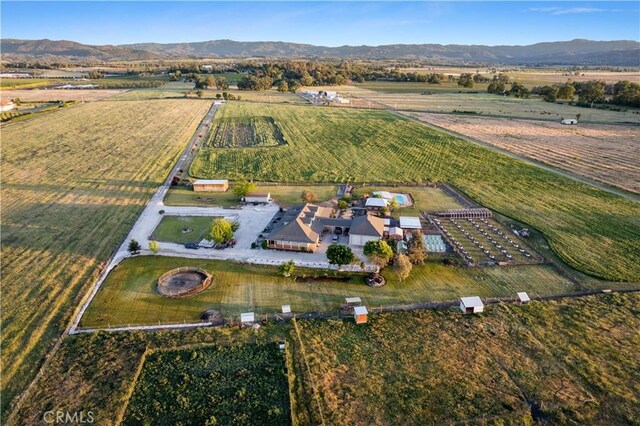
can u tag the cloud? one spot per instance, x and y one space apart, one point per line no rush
567 10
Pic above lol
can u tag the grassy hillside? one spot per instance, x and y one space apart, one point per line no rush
73 182
571 362
593 231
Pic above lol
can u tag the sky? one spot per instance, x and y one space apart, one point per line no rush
321 23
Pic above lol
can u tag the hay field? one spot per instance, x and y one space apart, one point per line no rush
333 145
610 154
72 184
42 95
565 362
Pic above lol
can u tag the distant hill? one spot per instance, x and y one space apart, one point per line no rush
574 52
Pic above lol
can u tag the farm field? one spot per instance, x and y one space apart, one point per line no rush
609 154
24 83
97 371
424 198
283 195
171 229
42 95
243 131
580 222
404 96
129 295
73 183
230 385
172 89
543 362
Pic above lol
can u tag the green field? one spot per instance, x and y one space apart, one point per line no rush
73 182
284 195
25 83
332 145
243 132
182 229
129 296
568 362
239 385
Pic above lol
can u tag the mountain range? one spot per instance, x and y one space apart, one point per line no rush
573 52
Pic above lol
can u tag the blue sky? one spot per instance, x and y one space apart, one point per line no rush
322 23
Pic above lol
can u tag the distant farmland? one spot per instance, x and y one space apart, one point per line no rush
610 154
343 145
73 182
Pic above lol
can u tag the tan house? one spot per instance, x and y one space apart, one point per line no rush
299 228
216 185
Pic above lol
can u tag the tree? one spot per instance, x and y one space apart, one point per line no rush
566 91
134 247
339 254
549 93
221 83
394 204
496 87
518 90
283 86
308 197
591 92
242 188
465 80
402 267
385 211
287 268
343 205
221 231
416 250
95 74
154 247
199 93
379 252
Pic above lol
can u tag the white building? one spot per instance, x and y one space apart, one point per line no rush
523 297
569 121
247 318
410 222
376 203
258 197
7 106
471 305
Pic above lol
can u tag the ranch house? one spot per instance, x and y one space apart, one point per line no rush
299 228
204 185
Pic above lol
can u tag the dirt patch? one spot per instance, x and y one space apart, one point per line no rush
182 282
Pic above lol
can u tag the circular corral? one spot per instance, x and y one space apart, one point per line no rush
182 282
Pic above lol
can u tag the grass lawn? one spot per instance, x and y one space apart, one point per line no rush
284 195
128 296
348 145
424 199
73 183
171 229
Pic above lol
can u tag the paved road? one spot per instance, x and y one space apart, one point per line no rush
561 172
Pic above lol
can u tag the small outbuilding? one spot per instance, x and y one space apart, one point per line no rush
410 222
258 197
396 233
211 185
286 309
360 314
471 305
6 105
247 318
353 301
569 121
523 297
375 204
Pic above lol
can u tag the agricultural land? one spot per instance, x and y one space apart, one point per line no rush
331 145
610 154
73 182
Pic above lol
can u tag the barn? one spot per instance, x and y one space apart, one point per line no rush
211 185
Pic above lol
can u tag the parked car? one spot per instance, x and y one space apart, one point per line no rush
335 237
192 246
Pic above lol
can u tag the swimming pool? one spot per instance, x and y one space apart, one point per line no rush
402 199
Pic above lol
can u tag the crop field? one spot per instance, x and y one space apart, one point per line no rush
424 198
24 83
73 183
172 89
332 145
129 295
283 195
98 371
610 154
51 95
182 229
408 97
244 132
545 362
240 385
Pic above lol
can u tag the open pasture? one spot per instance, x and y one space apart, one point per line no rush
545 362
129 294
332 145
73 183
610 154
46 95
244 384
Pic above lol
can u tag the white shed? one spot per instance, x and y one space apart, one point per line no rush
523 297
376 202
286 309
471 305
351 301
247 318
360 314
257 197
569 121
410 222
